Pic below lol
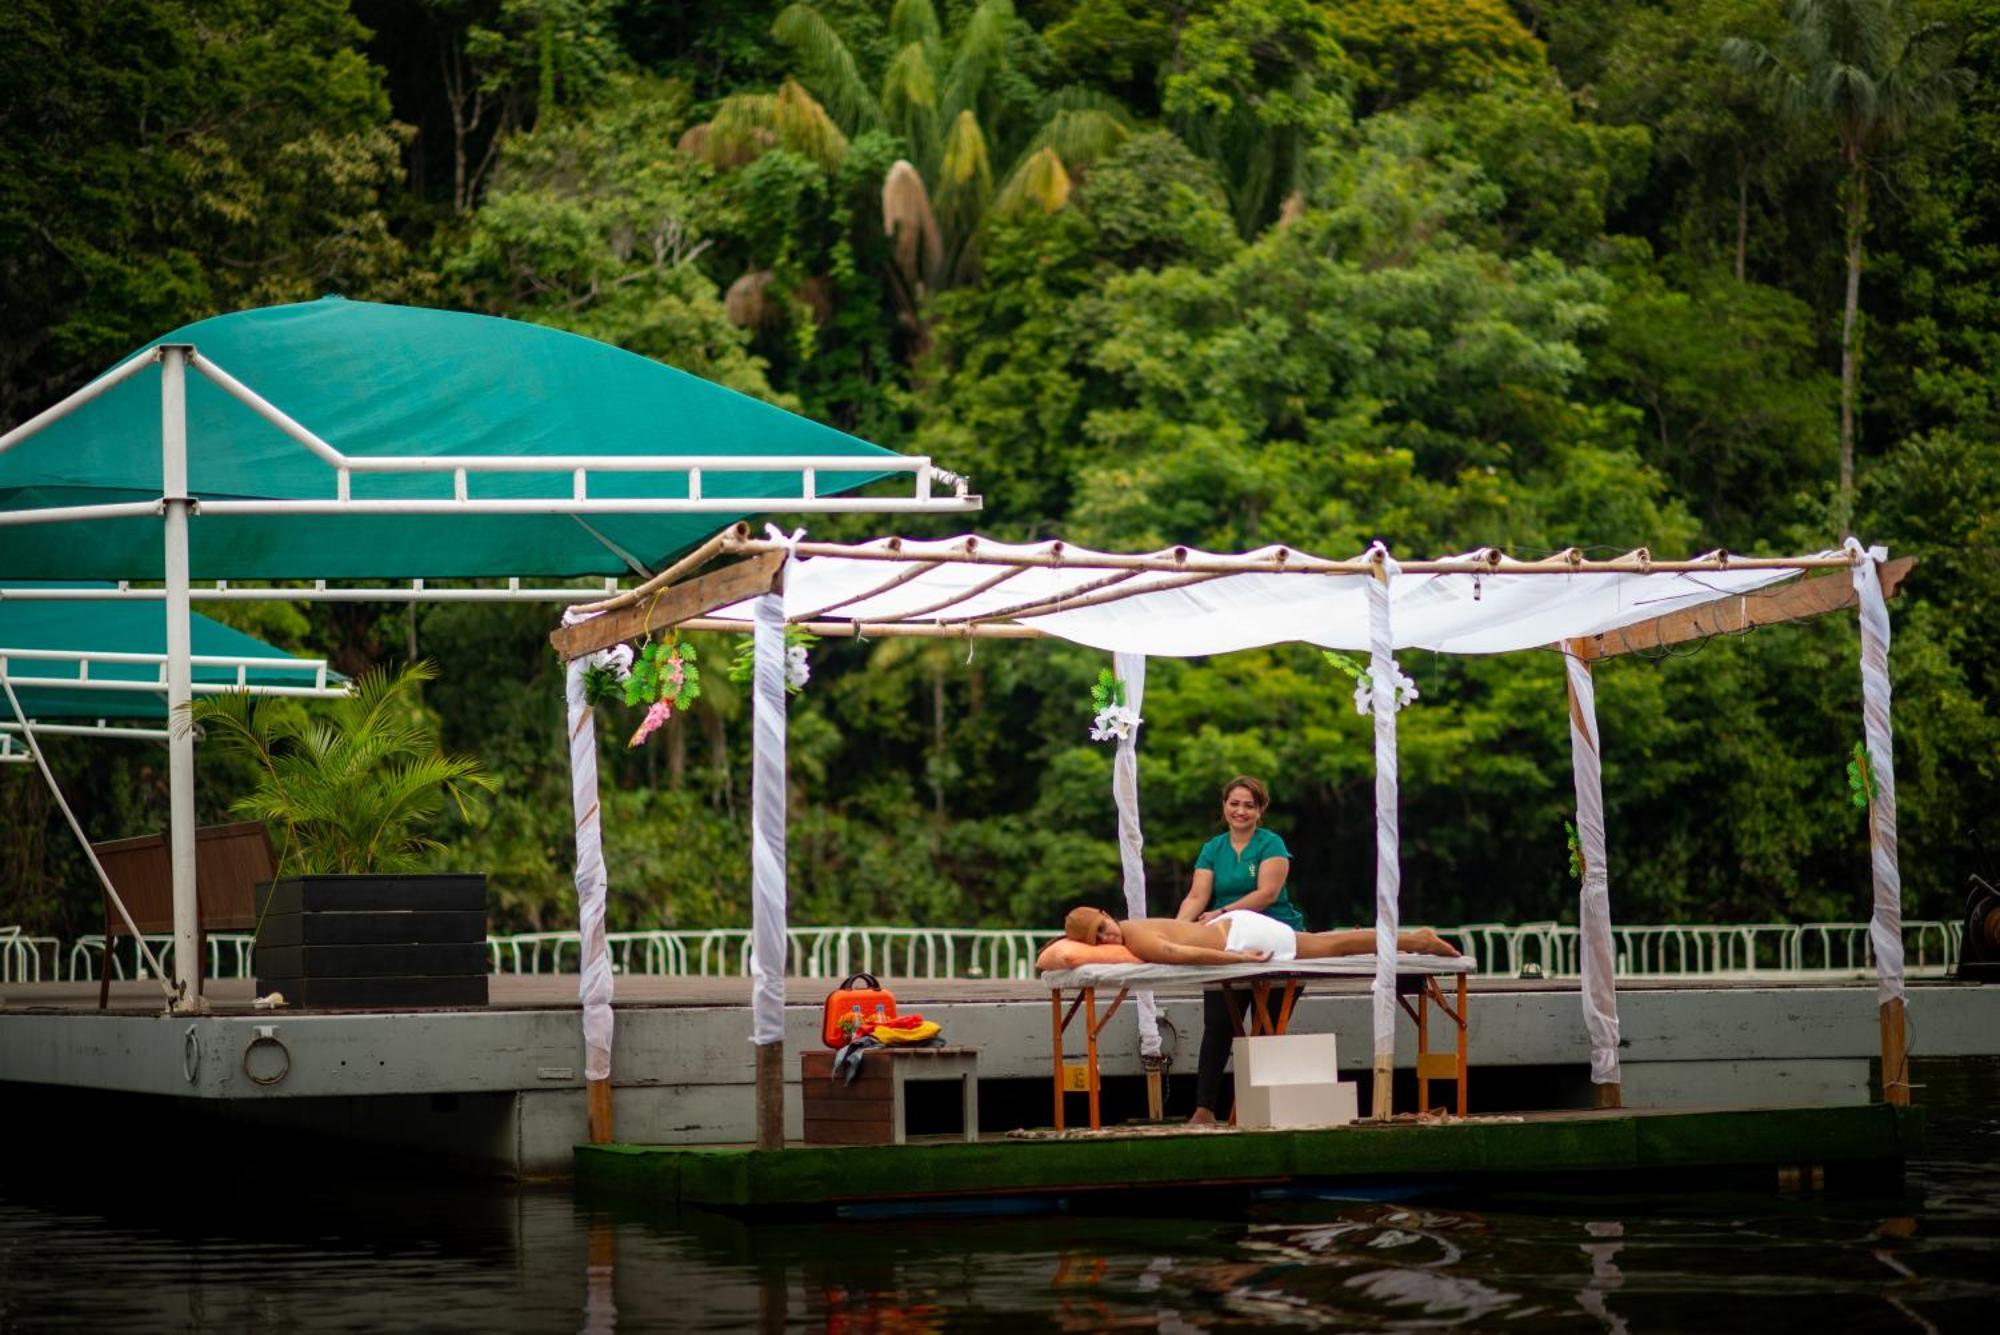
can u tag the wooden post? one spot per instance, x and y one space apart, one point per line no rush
1423 1047
1895 1055
1384 1102
599 1094
771 1096
1156 1102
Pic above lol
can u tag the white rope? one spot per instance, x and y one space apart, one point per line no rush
595 988
1593 915
83 841
1131 669
767 822
1388 863
1886 922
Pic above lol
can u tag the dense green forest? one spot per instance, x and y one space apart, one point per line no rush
1684 274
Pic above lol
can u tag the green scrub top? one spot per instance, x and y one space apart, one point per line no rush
1236 874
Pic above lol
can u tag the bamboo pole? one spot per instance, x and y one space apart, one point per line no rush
694 560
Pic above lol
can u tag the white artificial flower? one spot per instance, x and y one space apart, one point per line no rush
1364 691
1114 723
617 660
797 670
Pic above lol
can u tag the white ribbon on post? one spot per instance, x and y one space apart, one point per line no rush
1885 924
767 821
591 883
1131 669
1593 915
1388 859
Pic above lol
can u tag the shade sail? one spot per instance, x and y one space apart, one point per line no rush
98 627
374 379
1182 615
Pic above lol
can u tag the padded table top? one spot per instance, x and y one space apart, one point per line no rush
1348 966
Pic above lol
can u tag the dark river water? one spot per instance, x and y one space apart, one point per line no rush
225 1247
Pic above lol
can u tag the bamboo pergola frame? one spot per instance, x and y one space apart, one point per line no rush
754 573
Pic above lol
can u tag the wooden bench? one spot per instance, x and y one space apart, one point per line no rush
229 861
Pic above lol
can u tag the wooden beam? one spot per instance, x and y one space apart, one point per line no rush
1728 616
670 607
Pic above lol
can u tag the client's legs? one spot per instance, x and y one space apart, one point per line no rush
1361 941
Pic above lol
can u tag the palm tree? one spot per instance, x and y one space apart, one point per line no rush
938 93
1871 72
354 790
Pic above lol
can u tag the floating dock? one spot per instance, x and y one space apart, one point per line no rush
1595 1149
500 1088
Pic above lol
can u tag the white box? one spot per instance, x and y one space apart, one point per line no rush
1285 1059
1325 1103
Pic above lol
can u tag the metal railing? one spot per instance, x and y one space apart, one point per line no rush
1814 950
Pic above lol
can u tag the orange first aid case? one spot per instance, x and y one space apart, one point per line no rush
861 990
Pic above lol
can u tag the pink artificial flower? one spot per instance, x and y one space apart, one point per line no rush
660 712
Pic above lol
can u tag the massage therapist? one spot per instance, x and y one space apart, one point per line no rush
1242 868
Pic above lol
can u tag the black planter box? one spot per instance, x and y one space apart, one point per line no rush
372 941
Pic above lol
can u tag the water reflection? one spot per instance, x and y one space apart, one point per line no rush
261 1255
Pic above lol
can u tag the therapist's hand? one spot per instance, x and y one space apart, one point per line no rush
1210 916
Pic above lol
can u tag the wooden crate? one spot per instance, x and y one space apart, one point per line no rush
870 1111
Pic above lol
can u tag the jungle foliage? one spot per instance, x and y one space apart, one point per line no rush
1447 273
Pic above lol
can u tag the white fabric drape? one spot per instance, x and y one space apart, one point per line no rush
1167 616
1593 912
767 823
1885 926
1131 669
596 986
1388 859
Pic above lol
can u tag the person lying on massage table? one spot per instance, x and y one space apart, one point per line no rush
1239 936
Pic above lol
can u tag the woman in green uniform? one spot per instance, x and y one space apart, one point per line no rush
1244 867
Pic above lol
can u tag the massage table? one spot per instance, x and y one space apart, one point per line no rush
1416 975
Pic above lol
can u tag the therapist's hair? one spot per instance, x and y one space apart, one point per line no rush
1255 787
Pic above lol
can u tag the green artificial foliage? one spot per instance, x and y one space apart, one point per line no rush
352 786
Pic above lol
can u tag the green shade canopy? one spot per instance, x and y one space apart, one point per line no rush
102 627
373 379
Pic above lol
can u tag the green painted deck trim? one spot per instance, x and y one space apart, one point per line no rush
1612 1142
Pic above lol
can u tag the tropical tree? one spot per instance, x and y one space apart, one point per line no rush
979 139
355 790
1871 71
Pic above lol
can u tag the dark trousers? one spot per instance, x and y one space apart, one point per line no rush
1216 1032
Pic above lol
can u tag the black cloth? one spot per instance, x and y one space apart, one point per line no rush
1216 1033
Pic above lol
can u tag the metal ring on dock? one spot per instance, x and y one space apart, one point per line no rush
267 1034
190 1054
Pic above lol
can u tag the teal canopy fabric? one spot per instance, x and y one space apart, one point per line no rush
394 380
116 627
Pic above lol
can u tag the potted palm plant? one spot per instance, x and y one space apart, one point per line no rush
351 794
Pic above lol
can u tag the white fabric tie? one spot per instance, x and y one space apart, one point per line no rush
1131 669
767 822
1388 861
591 884
1885 926
1600 988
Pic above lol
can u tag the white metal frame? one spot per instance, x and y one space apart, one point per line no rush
176 506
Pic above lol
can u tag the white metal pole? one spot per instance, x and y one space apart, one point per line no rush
176 504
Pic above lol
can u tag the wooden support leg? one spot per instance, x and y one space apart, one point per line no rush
1090 1049
1156 1101
1423 1048
1464 1018
1056 1033
601 1132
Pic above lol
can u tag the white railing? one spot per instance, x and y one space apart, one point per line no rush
1815 950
